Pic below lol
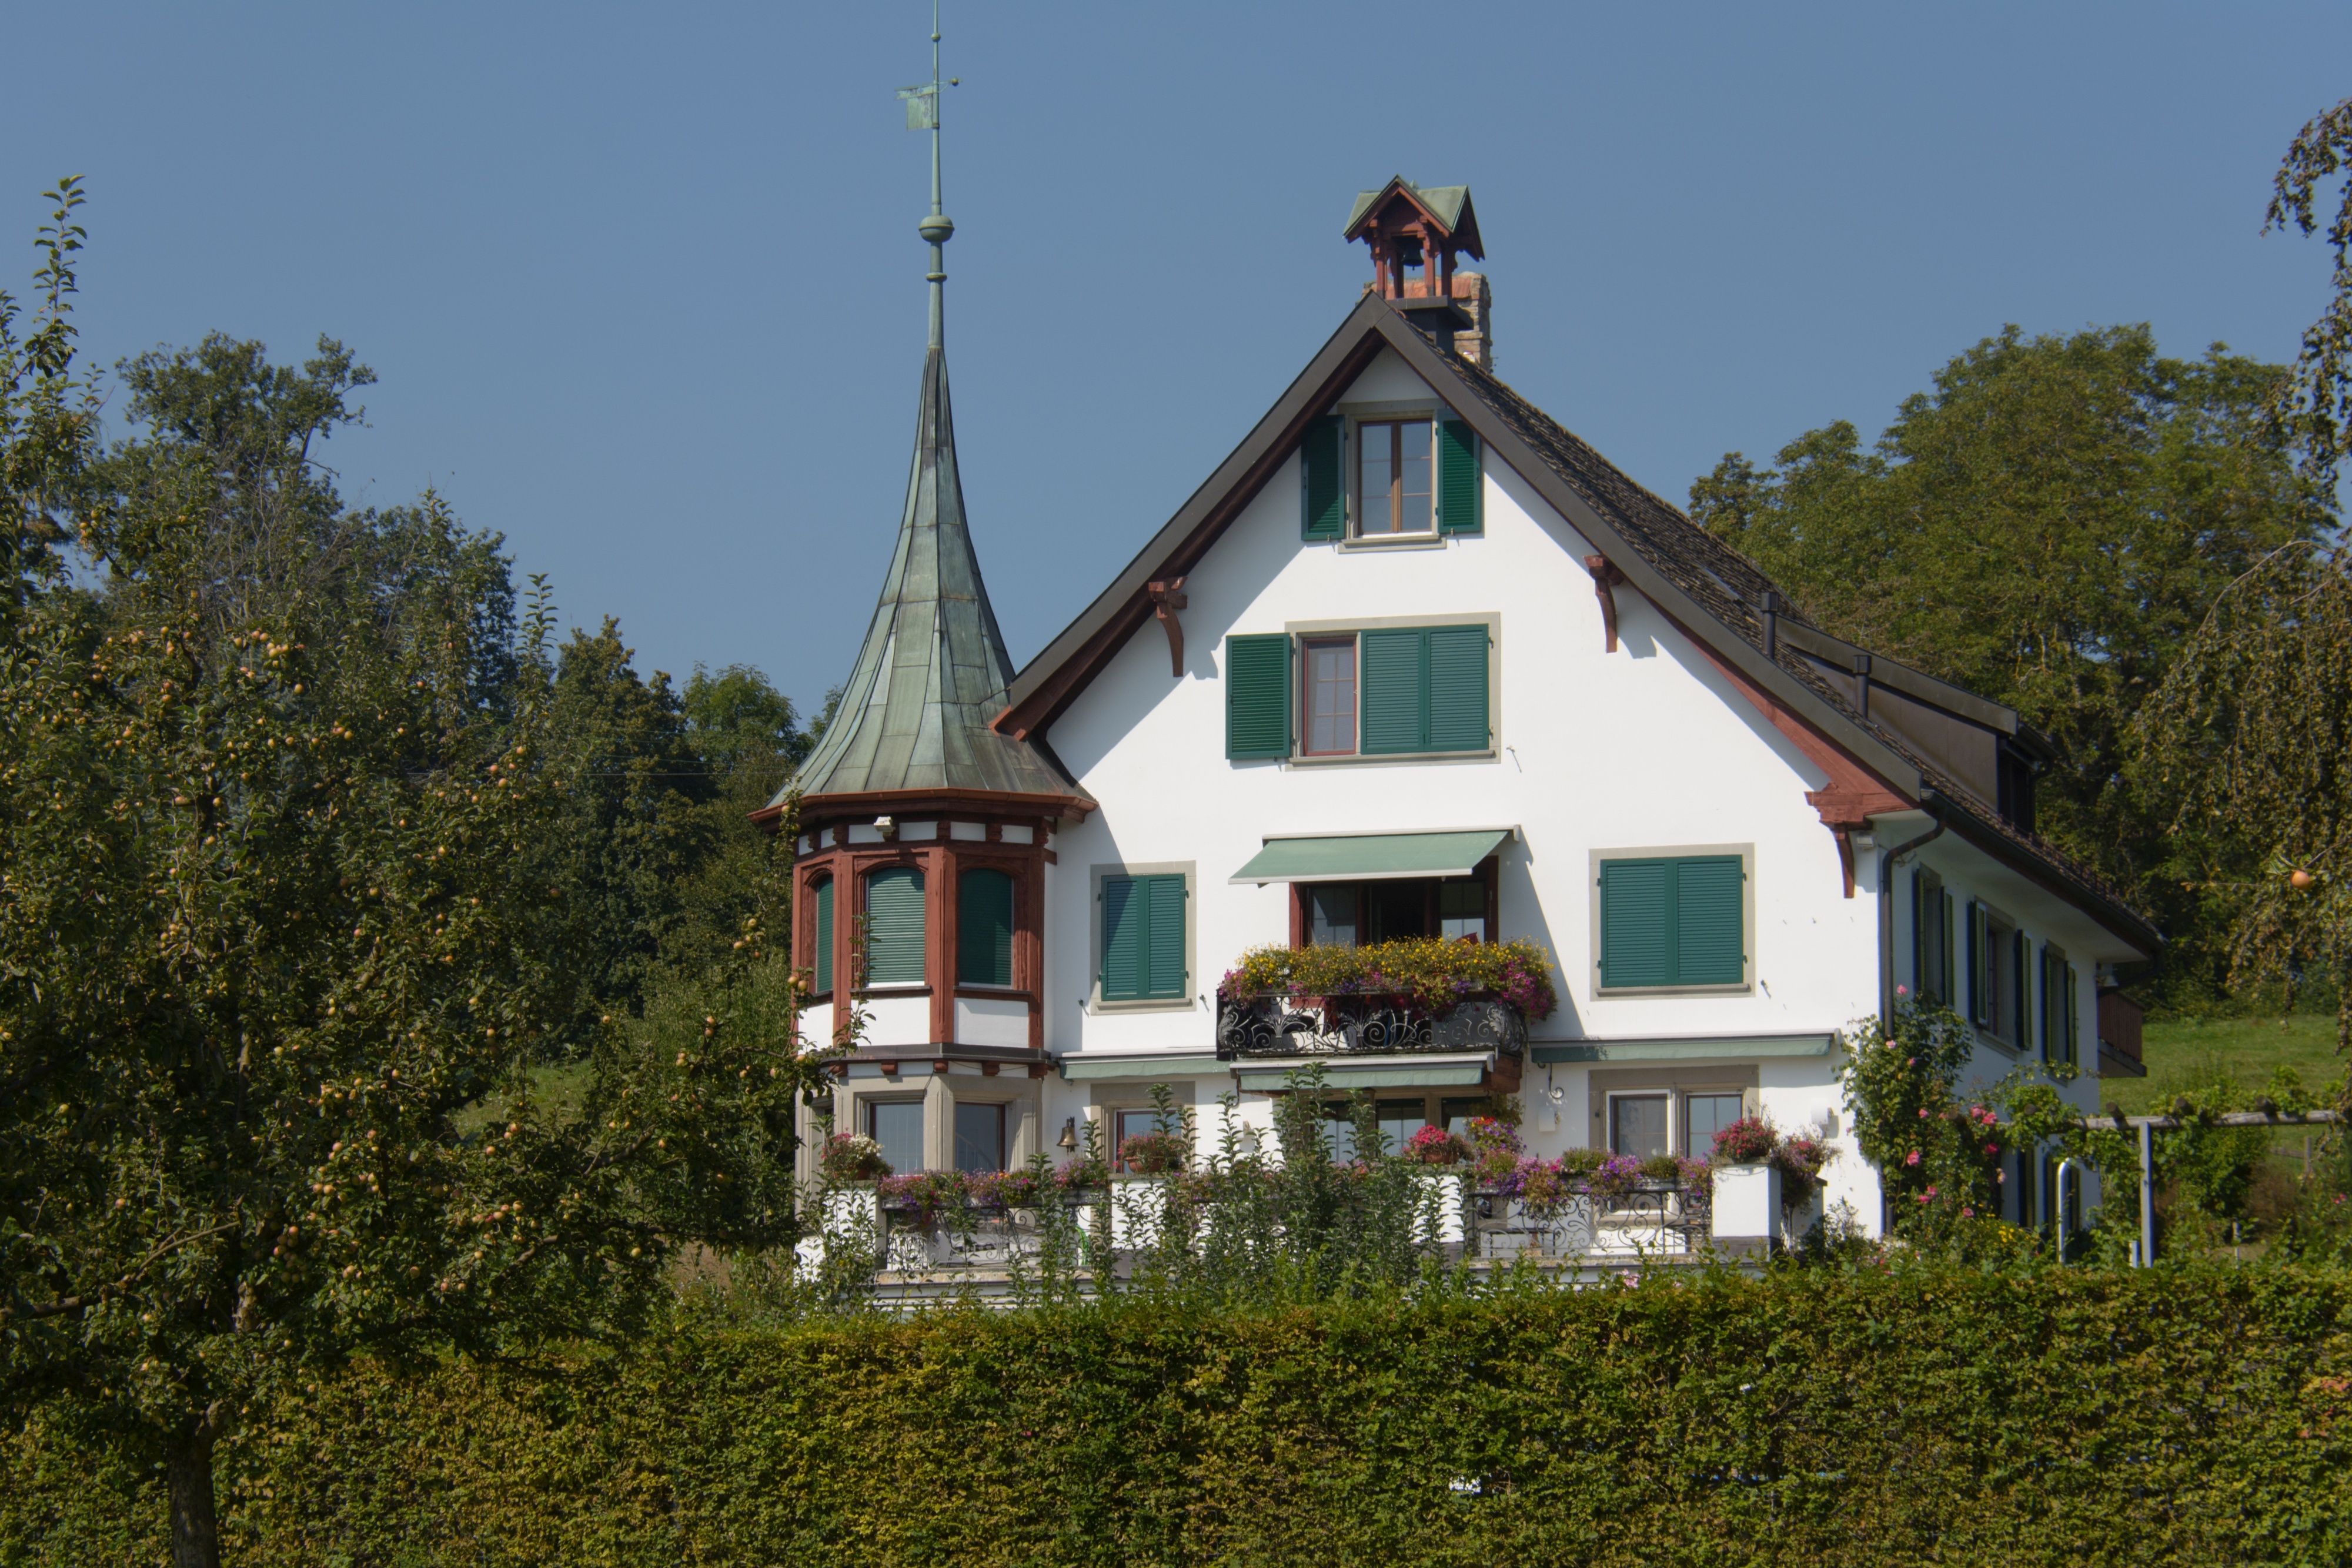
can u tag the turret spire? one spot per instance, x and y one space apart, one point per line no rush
933 669
923 114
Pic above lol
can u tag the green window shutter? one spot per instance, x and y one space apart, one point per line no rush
1143 937
2020 964
1257 695
1673 920
822 897
2073 1020
1164 945
1980 953
1461 498
1636 930
984 928
894 926
1457 689
1710 937
1125 909
1393 690
1322 492
1951 985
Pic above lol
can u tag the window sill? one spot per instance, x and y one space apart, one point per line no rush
1999 1044
1612 993
1394 542
1389 759
999 993
1142 1005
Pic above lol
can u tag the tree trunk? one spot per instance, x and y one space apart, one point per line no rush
196 1531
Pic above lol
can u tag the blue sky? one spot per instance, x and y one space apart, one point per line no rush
642 288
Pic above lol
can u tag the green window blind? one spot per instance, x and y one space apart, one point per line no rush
1393 667
984 928
822 898
1143 937
2072 1034
1422 688
1322 489
1675 920
1257 695
1461 498
894 926
1980 966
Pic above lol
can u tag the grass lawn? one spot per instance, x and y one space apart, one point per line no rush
2186 1053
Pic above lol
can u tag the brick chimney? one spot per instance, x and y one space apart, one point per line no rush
1414 233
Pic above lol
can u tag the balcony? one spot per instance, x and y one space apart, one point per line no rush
1406 997
1091 1236
1281 1025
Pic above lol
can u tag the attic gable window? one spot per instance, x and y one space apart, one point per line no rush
1394 489
1379 473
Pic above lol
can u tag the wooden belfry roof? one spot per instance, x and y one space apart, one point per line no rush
933 671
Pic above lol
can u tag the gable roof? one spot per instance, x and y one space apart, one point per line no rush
1709 589
933 668
1446 203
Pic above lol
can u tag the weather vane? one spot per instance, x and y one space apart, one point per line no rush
923 114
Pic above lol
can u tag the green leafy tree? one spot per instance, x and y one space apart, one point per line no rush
2047 526
2249 740
48 413
266 961
636 822
2316 404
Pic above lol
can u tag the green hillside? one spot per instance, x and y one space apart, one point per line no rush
2186 1053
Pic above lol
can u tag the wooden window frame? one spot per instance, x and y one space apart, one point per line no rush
1486 874
1302 631
1305 652
1353 452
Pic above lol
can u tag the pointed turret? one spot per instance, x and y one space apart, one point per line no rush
933 669
918 866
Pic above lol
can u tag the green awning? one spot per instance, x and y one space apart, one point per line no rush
1371 857
1142 1069
1706 1047
1388 1075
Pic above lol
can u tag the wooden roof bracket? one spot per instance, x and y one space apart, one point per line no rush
1606 579
1167 598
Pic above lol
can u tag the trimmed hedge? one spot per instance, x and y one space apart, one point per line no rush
1911 1415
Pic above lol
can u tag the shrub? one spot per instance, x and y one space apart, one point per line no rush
1909 1413
1494 1147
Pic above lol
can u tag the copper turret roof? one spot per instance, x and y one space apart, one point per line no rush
933 671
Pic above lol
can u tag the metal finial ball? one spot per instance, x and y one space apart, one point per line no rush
936 229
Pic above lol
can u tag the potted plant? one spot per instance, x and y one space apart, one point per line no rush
1436 1147
851 1157
1154 1153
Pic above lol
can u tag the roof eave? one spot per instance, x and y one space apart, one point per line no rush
2124 922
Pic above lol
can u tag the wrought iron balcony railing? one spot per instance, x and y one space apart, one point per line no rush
1280 1025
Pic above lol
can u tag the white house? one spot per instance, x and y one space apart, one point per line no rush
1413 661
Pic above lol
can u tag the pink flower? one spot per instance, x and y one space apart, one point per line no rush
1968 1214
1913 1158
1992 1148
1923 1113
1902 990
1931 1192
1630 1278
